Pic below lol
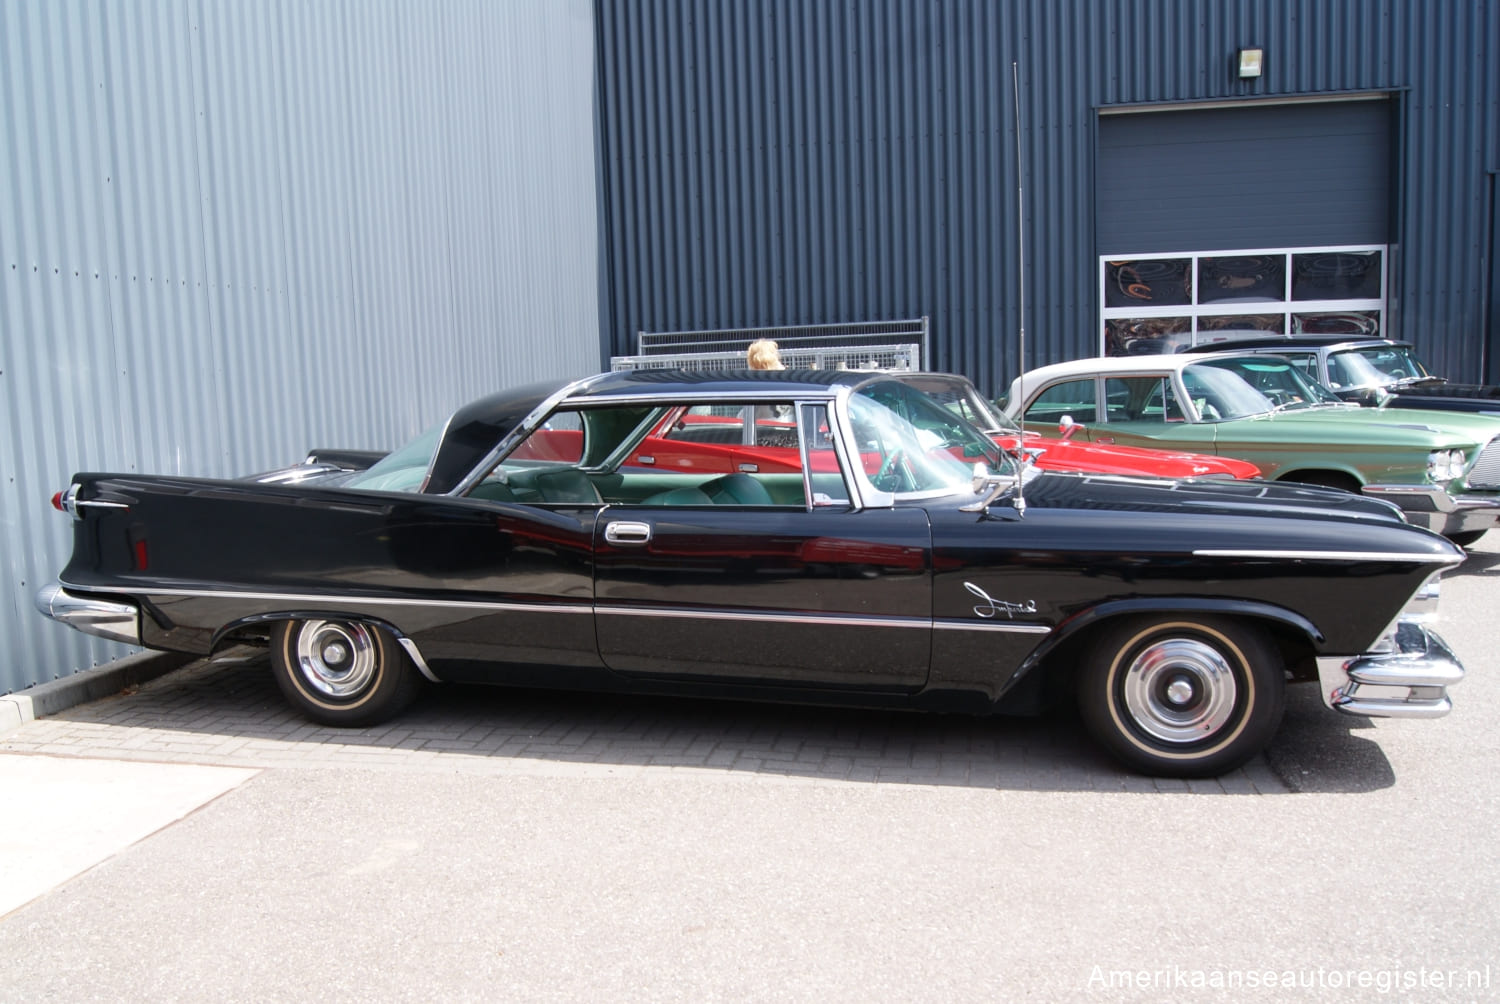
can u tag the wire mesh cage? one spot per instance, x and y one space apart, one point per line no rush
865 345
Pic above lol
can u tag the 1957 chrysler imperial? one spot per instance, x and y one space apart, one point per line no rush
646 531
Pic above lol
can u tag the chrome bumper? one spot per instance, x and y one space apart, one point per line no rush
1411 680
1433 508
112 619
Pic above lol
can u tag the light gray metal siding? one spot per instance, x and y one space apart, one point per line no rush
1246 177
233 231
783 162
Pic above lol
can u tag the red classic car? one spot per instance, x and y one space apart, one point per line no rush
695 439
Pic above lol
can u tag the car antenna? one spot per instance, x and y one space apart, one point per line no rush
1015 93
1020 455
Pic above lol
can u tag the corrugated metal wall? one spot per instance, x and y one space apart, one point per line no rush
231 231
794 162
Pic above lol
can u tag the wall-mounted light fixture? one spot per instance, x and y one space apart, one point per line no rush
1251 61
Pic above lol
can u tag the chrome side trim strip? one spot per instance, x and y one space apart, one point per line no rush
989 626
824 620
334 600
681 613
1329 556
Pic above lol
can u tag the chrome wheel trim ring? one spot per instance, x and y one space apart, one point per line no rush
1180 690
336 658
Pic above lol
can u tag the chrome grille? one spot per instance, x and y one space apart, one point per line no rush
1485 474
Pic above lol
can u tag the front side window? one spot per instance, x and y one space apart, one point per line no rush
1150 399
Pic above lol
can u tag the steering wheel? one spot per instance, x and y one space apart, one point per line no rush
888 478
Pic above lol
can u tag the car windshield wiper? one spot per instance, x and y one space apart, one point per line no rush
1417 380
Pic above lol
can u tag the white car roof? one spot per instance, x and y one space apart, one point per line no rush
1145 365
1115 365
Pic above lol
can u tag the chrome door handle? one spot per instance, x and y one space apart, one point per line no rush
626 532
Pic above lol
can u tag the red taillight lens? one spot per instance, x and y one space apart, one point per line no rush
141 561
57 501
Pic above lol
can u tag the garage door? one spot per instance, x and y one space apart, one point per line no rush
1253 177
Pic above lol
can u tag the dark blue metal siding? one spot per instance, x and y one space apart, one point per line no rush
794 162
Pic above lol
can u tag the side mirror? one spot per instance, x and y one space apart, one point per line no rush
1067 427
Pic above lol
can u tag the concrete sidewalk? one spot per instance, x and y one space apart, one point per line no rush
67 814
90 685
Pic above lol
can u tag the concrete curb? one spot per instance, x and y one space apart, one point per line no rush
89 685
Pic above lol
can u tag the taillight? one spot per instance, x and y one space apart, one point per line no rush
67 500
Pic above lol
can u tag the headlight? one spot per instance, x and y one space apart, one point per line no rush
1445 465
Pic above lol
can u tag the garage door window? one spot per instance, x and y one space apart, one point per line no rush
1162 303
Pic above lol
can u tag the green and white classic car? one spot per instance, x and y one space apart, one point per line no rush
1441 468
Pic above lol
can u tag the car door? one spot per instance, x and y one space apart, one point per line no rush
822 593
1148 411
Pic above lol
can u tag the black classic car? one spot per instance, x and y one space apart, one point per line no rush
1376 372
648 532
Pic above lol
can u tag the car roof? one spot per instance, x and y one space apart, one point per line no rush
1127 365
1271 343
692 383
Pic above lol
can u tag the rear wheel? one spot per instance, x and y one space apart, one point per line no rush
1466 537
344 673
1183 697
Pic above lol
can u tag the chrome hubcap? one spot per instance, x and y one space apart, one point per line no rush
337 659
1180 690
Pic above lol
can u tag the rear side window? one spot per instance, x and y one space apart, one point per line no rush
1075 398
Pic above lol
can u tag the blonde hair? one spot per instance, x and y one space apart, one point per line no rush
764 354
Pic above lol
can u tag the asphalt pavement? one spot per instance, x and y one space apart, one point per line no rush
192 839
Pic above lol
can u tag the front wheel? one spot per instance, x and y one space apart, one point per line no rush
1183 697
344 673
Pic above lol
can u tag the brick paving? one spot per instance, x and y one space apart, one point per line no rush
230 713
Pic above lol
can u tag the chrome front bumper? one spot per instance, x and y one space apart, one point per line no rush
1432 508
1411 680
112 619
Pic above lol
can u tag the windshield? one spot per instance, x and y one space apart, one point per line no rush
1374 366
403 470
965 401
909 443
1242 386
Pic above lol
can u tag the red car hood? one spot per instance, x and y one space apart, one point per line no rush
1096 458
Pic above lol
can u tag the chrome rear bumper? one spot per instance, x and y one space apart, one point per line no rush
1410 680
112 619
